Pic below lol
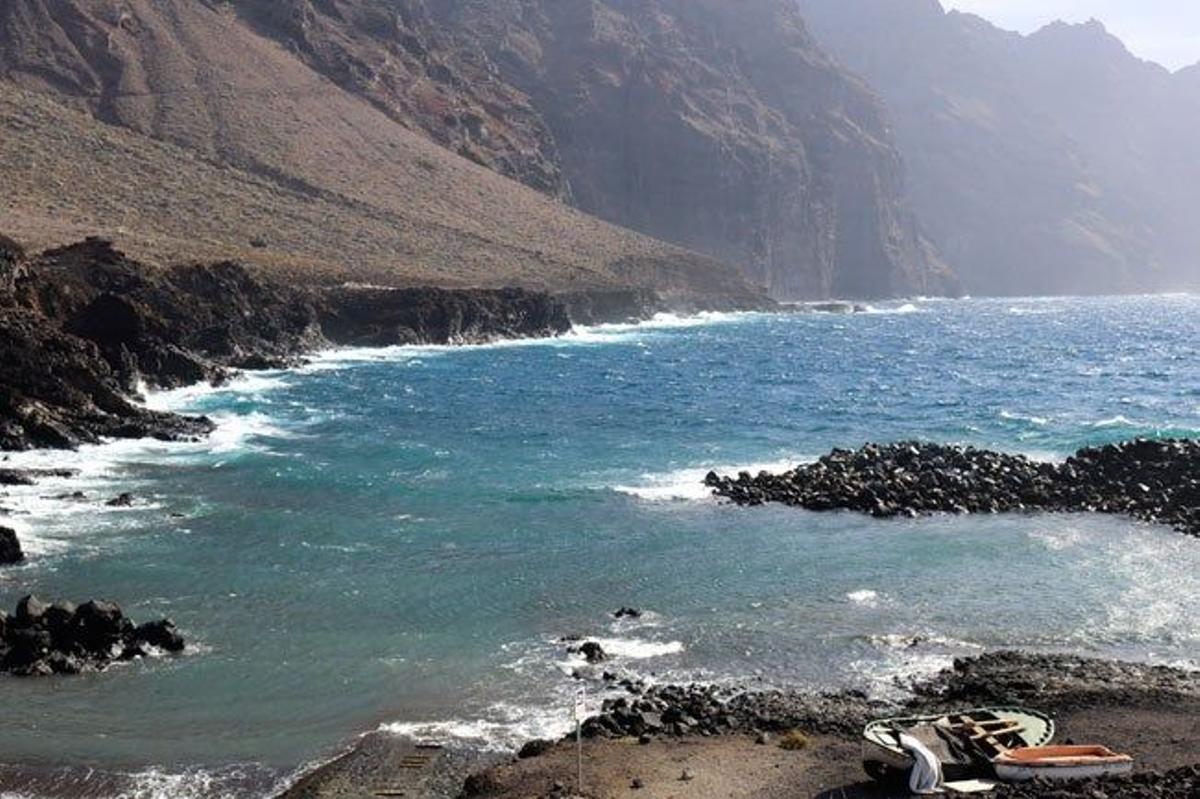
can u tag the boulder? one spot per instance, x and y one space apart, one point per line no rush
98 627
593 652
161 634
30 610
10 547
43 639
535 748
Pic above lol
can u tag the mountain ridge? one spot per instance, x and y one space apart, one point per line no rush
329 98
285 170
1049 163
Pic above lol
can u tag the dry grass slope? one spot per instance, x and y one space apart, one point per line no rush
227 145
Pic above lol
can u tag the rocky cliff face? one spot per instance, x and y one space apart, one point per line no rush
83 327
132 66
719 126
716 126
1050 163
426 76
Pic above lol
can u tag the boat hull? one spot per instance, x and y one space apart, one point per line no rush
885 761
1061 763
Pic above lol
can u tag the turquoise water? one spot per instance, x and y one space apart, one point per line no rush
399 537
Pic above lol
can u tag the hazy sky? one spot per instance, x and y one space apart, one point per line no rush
1166 31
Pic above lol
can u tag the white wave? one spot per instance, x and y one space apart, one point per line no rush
236 432
505 727
890 310
1115 421
345 357
865 597
48 519
1040 421
638 649
628 331
905 659
249 384
688 484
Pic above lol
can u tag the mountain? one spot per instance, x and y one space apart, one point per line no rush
729 134
721 126
183 132
1056 162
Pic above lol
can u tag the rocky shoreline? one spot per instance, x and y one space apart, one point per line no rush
1152 481
1146 709
84 329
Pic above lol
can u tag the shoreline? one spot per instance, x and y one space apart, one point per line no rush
373 735
728 739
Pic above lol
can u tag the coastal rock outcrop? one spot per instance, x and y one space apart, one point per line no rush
83 328
40 639
1154 481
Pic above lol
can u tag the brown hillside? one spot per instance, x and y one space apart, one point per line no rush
235 147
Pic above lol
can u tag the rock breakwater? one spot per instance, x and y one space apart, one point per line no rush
1154 481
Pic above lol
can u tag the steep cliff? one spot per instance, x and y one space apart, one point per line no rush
1051 163
720 126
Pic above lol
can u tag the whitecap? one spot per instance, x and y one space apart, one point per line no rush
1115 421
907 658
1039 421
890 310
865 597
250 384
638 648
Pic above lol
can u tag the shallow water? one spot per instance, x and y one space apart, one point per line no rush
399 537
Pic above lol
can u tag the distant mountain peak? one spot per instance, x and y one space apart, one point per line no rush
1093 34
1054 162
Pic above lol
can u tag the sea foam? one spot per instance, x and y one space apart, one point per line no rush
688 484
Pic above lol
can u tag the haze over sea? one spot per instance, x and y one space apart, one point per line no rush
400 537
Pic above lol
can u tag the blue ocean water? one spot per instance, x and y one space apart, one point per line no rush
400 537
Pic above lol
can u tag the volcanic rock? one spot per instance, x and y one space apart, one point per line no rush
10 547
1154 481
41 639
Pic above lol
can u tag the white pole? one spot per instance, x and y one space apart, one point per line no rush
579 710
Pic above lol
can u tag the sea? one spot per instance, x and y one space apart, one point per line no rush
400 539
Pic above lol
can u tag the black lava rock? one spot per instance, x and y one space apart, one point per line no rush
10 547
124 500
41 639
535 748
593 652
1154 481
